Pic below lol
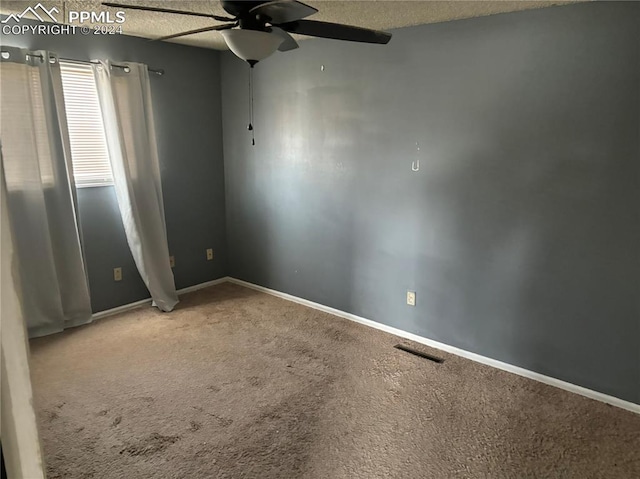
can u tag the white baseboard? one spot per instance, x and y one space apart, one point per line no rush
143 302
196 287
598 396
120 309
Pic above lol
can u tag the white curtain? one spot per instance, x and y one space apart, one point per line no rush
125 101
19 429
40 192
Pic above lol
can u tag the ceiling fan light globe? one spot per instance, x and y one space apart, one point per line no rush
251 45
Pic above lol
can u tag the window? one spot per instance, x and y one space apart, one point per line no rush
89 153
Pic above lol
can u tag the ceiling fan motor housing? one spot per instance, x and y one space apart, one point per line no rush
239 8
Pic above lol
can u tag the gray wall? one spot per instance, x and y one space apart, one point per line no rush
520 231
187 109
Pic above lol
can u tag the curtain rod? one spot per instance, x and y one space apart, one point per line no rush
73 60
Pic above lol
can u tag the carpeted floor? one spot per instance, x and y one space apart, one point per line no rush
239 384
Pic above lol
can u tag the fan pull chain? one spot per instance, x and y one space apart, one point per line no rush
250 127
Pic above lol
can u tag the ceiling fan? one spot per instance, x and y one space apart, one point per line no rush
265 26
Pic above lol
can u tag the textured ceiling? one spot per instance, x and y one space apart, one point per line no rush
377 14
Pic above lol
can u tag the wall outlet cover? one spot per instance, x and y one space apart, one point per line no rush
117 274
411 298
209 254
172 261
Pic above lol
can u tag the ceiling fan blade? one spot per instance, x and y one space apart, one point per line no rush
288 44
336 31
283 11
199 30
168 10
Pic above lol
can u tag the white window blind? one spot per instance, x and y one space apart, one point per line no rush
89 153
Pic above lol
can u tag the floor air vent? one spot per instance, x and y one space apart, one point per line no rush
415 352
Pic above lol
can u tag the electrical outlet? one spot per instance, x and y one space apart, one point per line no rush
117 274
209 254
172 261
411 298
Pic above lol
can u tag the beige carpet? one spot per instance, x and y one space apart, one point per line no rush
239 384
